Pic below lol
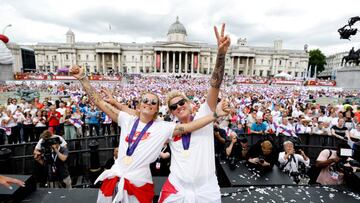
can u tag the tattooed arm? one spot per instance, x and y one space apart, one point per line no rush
107 108
222 109
121 107
218 73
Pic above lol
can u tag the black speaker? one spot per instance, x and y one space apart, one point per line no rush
18 193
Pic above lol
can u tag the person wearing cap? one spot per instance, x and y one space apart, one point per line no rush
263 155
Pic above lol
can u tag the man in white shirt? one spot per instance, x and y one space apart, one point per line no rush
289 160
285 128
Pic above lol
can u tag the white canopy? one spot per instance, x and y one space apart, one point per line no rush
283 75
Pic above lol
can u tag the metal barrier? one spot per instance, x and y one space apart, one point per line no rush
22 161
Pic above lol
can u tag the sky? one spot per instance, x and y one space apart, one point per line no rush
312 22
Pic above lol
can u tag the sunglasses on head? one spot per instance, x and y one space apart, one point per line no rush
174 106
148 101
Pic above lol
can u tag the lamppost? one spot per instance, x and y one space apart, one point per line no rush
3 32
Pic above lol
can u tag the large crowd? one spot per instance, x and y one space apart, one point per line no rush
256 108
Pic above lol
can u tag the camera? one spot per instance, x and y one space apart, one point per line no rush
46 148
261 159
50 141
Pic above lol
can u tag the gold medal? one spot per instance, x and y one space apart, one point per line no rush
186 153
127 160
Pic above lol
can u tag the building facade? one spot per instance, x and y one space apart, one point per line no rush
174 56
333 64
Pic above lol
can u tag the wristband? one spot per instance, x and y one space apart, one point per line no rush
215 115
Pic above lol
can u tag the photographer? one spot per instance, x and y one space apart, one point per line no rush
262 155
53 157
289 160
236 149
334 165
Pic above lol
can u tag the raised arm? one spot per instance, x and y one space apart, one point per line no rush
222 109
121 107
218 73
112 112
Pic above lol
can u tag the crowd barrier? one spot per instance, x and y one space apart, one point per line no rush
21 159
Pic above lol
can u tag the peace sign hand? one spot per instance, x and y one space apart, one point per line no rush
222 41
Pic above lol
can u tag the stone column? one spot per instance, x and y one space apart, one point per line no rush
167 62
179 62
119 63
232 66
247 66
208 62
186 63
161 62
97 62
103 63
75 59
59 58
44 62
252 64
192 63
154 62
143 63
113 61
274 67
238 64
173 65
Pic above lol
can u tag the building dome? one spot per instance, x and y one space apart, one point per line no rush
70 37
177 28
69 32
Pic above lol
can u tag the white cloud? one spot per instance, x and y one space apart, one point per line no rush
313 22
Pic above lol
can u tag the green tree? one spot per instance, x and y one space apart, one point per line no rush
318 59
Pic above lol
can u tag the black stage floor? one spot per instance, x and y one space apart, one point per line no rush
274 194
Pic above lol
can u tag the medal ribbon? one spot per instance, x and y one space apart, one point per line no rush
186 139
131 147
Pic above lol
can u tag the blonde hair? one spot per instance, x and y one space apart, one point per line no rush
158 104
175 93
266 145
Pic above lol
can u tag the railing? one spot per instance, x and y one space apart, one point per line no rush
21 160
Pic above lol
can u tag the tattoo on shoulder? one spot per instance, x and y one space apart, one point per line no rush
180 129
218 73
